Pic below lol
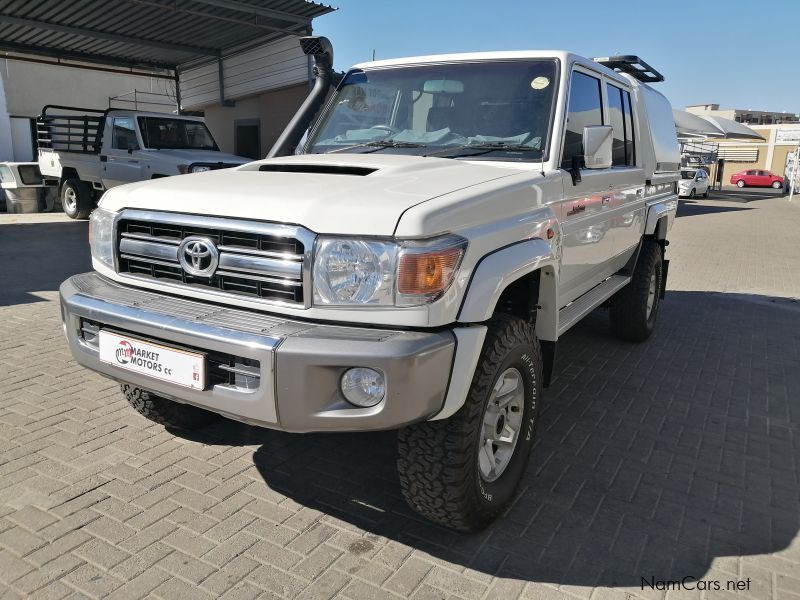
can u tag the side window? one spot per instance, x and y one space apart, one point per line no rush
630 144
752 172
616 118
585 108
124 137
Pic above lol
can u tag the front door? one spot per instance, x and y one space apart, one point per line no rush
602 214
122 164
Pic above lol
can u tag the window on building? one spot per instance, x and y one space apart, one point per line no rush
585 108
247 138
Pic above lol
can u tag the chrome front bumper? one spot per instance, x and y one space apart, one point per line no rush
290 370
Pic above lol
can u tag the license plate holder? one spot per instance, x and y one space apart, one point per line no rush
165 363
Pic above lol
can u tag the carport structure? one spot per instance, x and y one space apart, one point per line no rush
155 38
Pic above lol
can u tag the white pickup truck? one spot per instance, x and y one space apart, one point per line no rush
449 219
86 151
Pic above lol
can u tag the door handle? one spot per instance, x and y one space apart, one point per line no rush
606 199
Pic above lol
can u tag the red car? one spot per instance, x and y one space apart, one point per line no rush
757 178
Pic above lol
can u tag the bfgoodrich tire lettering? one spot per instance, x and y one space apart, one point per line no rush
438 463
166 412
634 308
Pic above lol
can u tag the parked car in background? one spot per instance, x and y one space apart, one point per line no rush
757 178
693 182
86 151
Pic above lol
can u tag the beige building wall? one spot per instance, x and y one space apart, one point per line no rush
273 110
771 153
30 86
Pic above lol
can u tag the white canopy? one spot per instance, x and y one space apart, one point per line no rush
689 125
732 130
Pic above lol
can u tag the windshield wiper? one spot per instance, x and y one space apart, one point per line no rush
378 145
479 148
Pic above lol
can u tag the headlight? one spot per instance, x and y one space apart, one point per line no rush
384 272
354 272
101 236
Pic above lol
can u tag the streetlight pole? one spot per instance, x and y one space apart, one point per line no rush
794 171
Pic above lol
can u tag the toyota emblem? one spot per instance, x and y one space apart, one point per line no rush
198 256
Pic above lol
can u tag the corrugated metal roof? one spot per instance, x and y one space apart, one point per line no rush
163 34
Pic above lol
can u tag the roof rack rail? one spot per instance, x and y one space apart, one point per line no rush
633 66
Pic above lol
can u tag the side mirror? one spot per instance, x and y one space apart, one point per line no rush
597 140
132 145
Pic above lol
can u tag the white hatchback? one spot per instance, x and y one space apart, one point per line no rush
693 183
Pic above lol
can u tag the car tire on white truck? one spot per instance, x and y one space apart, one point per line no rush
463 472
76 198
633 309
167 412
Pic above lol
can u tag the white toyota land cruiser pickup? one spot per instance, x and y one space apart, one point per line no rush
85 151
448 219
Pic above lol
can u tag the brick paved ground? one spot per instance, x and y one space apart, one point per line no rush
674 458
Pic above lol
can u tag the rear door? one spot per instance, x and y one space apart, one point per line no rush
628 205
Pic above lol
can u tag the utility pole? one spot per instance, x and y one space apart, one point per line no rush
793 176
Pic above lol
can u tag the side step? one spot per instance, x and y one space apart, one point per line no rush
576 310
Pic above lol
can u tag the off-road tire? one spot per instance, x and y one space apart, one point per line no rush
776 185
76 199
438 460
740 183
166 412
628 309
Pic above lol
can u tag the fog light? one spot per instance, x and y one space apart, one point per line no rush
363 387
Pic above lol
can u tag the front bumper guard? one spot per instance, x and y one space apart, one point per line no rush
300 364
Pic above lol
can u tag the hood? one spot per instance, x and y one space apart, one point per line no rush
186 156
347 194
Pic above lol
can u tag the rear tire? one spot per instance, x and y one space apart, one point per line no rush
76 198
166 412
464 471
705 194
634 308
740 183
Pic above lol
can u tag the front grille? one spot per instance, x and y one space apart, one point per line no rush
260 260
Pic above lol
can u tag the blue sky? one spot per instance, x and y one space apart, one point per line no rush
739 54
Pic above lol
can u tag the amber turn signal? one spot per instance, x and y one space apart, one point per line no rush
428 272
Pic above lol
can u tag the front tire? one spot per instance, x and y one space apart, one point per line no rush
463 472
692 194
776 185
76 198
634 308
166 412
740 183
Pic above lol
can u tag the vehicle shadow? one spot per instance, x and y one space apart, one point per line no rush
692 208
734 194
36 257
652 460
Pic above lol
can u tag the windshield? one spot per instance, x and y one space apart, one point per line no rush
688 174
505 108
176 134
